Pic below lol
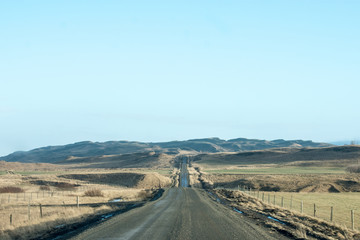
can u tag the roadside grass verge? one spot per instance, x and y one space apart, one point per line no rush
342 204
22 216
299 225
54 217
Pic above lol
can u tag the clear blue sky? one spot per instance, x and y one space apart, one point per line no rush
174 70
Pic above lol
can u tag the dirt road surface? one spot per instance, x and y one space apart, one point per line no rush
181 213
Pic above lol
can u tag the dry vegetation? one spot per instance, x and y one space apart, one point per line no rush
11 189
124 179
321 157
95 192
325 177
26 167
289 183
58 194
194 177
342 204
353 168
133 160
342 192
297 225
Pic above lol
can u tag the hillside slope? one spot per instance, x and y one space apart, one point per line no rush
131 160
283 156
54 154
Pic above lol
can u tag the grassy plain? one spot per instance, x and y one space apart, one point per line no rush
279 170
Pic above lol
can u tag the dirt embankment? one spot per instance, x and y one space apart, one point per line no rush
133 180
288 183
293 224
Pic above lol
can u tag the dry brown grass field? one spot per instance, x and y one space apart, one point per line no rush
292 176
310 175
303 202
298 225
59 191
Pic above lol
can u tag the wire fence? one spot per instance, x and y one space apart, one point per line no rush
28 195
341 215
22 207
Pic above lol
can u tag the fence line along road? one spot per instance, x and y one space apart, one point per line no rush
350 218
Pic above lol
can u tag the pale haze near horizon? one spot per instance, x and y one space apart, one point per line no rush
164 70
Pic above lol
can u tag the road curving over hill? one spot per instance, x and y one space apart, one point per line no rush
181 213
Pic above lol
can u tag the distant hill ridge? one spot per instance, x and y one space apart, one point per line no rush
53 154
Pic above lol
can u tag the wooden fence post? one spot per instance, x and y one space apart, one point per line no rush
291 200
263 196
77 201
314 210
352 220
11 220
41 214
29 210
331 213
274 199
258 194
268 198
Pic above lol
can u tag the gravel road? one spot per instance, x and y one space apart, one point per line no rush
181 213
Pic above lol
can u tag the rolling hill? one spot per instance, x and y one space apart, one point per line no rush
335 155
87 149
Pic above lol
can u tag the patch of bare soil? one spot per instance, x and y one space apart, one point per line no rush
288 183
126 179
296 225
